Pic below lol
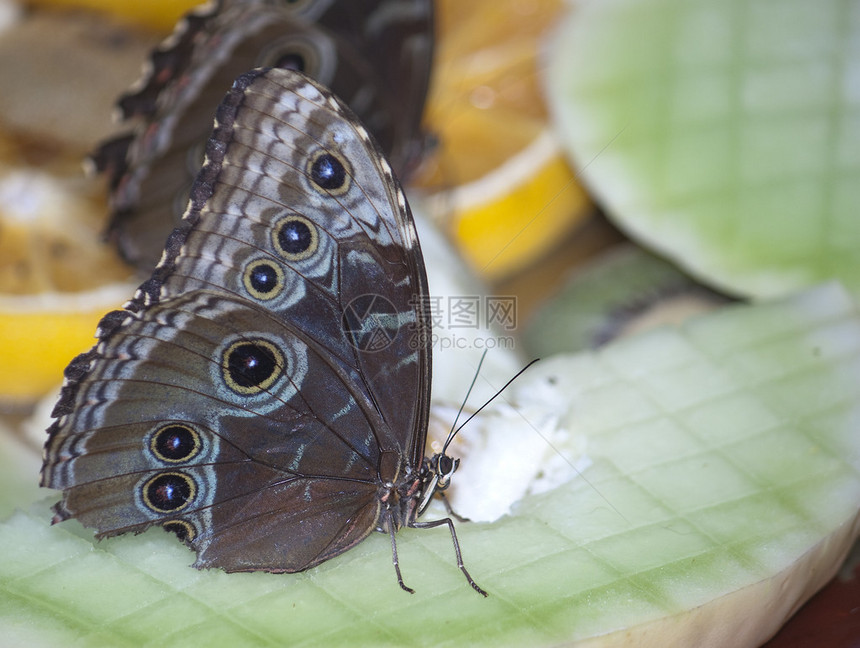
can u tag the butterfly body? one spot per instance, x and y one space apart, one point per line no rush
265 394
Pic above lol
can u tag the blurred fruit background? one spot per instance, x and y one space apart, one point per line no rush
732 158
497 181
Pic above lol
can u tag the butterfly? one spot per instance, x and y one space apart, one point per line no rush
265 394
374 54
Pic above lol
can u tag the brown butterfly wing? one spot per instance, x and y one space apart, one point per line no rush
374 54
234 402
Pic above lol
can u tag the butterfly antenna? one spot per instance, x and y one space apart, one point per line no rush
451 433
454 428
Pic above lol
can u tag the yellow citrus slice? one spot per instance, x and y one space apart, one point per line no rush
50 235
501 181
40 334
156 14
56 278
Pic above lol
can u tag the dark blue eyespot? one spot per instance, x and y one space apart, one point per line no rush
291 61
263 279
328 172
169 492
251 366
295 238
175 443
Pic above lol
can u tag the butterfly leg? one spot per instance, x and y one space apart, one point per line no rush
450 523
396 561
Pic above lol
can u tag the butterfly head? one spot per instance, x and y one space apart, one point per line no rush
436 477
443 467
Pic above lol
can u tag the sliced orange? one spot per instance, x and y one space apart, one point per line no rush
156 14
50 235
40 334
56 279
499 179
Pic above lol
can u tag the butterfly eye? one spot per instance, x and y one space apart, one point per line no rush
184 530
175 443
445 468
329 172
295 238
169 492
263 279
447 465
250 367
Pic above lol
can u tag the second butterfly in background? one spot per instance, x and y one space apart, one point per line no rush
376 55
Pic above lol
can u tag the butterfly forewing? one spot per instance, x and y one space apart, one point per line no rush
362 293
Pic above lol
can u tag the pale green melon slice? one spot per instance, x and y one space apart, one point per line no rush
620 292
722 133
723 489
19 470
